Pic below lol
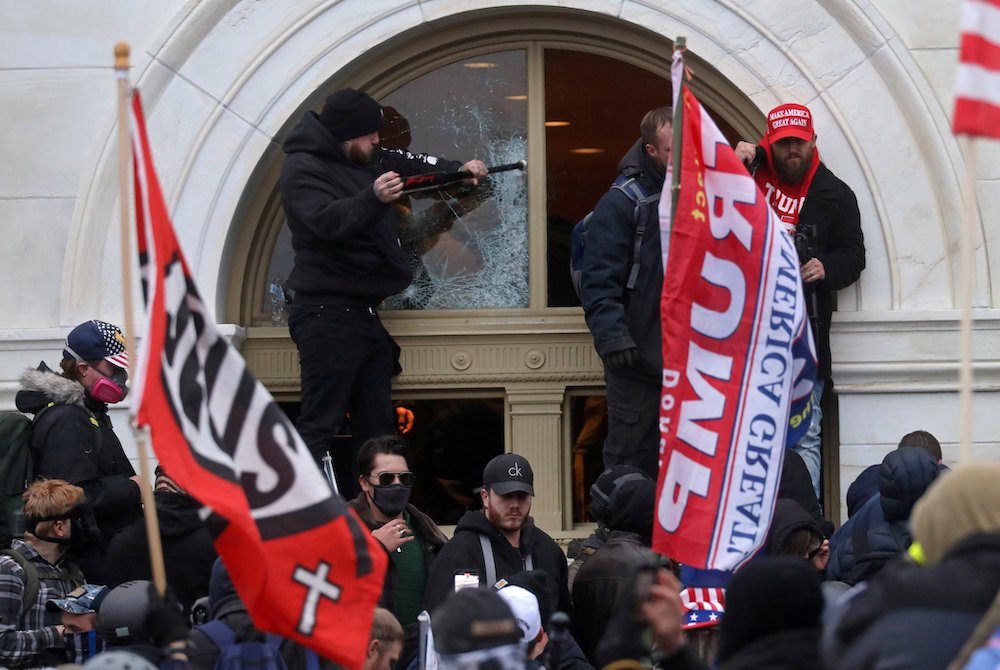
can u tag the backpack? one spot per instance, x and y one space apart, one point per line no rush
249 654
17 468
33 576
628 184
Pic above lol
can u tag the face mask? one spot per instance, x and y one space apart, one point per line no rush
81 646
391 499
111 389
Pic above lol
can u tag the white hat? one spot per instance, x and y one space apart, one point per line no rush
524 605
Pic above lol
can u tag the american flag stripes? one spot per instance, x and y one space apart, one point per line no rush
977 80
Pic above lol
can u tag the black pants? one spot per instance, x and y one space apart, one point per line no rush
633 423
347 361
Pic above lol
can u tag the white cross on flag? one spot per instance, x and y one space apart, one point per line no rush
977 80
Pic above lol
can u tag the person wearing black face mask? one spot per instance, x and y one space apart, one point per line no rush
410 536
35 570
73 438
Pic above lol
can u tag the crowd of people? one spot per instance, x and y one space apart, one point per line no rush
909 580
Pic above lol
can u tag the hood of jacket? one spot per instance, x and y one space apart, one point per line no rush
902 478
636 162
789 517
965 502
310 136
41 386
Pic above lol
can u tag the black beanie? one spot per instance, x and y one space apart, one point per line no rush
473 619
349 113
769 595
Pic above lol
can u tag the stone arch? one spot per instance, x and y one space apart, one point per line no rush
226 77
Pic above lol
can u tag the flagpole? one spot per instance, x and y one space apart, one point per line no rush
680 45
966 281
122 52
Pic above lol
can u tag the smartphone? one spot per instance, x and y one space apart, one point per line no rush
466 579
642 585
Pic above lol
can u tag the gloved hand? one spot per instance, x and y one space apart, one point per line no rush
622 360
165 620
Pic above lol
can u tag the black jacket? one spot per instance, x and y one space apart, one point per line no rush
346 242
464 551
604 581
618 318
880 531
188 551
430 536
67 445
915 617
831 210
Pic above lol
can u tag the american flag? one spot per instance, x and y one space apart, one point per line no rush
705 606
977 80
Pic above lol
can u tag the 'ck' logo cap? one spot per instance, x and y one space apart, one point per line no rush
509 473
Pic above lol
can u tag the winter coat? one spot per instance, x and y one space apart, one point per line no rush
618 318
795 483
785 650
915 617
831 209
346 242
604 581
188 551
880 531
788 518
430 536
464 551
66 444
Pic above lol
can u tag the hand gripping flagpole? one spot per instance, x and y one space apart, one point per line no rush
124 158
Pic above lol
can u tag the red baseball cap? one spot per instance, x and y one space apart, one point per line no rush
790 120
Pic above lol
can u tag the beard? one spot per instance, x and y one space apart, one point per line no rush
792 171
359 155
504 522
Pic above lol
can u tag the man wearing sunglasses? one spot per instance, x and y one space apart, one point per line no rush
410 536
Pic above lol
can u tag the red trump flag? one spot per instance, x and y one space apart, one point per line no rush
303 563
737 355
977 79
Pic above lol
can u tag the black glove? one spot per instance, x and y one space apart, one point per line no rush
623 359
165 620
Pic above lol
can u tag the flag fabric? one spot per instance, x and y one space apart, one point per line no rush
977 79
739 360
303 563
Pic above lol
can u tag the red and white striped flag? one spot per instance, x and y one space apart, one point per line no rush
977 80
303 563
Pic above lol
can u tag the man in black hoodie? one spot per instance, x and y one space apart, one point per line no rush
501 539
337 189
622 314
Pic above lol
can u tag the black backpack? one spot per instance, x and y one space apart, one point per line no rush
627 183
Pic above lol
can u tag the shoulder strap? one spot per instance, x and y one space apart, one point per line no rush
488 560
529 563
218 632
31 585
632 188
92 418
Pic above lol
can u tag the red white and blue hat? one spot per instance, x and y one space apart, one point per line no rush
705 606
94 340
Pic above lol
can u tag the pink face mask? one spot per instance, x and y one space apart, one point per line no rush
108 389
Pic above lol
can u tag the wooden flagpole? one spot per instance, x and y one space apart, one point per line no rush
122 52
966 281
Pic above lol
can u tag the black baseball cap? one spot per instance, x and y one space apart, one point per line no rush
509 473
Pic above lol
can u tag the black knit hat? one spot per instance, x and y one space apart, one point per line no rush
349 113
604 493
769 595
473 619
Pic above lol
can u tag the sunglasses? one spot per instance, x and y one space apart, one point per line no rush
387 478
814 551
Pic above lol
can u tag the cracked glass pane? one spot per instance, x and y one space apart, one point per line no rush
468 247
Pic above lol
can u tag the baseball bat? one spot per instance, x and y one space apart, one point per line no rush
435 180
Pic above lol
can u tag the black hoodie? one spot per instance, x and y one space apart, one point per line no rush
346 241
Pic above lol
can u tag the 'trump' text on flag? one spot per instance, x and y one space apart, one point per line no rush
738 356
302 562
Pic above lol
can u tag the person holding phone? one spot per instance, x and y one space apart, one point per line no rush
410 537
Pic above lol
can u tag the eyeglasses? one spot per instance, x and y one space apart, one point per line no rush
405 478
814 551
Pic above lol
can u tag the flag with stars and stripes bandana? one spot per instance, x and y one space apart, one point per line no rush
302 561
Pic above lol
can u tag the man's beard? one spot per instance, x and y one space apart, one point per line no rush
794 174
501 522
358 156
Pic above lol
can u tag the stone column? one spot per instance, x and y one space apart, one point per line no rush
536 433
